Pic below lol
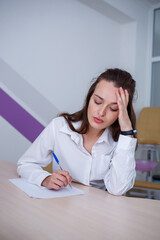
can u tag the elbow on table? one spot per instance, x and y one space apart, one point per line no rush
116 192
19 169
120 190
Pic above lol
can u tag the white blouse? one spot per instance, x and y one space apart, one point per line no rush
111 165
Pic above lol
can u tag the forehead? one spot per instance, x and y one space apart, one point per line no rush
106 90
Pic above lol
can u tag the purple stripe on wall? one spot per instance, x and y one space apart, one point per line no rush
19 118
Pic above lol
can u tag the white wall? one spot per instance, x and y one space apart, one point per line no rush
12 143
58 46
139 10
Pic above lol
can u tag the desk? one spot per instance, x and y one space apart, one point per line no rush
95 215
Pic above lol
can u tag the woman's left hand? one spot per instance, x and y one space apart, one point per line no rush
122 101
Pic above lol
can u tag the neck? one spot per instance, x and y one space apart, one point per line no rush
94 133
90 138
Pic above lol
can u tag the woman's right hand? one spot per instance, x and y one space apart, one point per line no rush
57 180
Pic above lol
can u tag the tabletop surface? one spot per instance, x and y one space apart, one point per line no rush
94 215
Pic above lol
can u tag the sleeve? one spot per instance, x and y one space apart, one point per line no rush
121 175
37 156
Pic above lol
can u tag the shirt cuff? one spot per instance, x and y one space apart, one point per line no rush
126 142
41 175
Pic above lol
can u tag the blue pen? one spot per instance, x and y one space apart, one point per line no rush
57 161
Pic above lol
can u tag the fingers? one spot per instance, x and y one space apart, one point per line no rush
57 180
64 177
127 97
122 101
122 96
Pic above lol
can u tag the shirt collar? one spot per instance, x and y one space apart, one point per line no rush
105 137
107 143
77 138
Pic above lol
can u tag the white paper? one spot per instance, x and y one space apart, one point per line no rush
42 192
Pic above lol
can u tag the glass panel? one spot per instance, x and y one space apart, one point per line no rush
156 33
155 85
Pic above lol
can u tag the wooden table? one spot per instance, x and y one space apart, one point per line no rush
95 215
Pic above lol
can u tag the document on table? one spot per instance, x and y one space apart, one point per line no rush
42 192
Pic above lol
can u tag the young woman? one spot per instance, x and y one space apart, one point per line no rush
95 146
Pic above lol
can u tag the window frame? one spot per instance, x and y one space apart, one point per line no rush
151 59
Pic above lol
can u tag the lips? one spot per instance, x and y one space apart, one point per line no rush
98 120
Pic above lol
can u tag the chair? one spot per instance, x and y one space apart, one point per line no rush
148 136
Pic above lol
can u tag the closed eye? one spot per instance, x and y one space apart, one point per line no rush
113 110
96 102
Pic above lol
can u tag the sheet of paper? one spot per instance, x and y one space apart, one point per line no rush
41 192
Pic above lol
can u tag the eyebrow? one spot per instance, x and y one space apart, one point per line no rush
98 96
103 99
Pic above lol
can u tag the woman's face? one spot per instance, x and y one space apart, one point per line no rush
103 109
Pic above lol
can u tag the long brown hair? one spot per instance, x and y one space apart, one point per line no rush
120 78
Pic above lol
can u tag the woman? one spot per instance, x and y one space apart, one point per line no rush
95 146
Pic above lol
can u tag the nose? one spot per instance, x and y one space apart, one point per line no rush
102 111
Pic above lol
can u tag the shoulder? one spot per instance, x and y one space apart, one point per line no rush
58 122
